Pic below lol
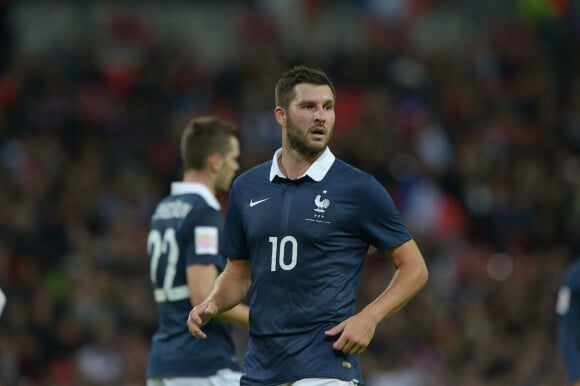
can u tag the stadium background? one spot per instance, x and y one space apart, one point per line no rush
467 111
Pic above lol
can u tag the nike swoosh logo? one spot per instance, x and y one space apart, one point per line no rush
254 203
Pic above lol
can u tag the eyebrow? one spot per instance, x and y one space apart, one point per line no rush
311 101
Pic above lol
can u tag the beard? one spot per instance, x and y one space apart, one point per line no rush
298 142
223 185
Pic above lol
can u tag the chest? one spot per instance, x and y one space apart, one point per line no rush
315 212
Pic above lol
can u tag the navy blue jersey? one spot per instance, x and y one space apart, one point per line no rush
568 309
307 240
184 230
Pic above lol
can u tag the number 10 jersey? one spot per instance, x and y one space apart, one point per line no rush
307 240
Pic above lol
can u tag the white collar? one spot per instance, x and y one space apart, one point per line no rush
180 187
316 171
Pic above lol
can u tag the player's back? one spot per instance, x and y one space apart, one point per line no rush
184 230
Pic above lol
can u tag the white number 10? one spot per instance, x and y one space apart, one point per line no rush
278 259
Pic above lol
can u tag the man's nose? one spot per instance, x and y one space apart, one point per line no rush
320 114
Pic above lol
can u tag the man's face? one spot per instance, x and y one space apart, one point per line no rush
229 166
310 119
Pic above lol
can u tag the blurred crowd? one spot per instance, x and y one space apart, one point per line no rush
478 146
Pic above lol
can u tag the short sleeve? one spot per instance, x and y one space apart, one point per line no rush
380 223
201 235
233 242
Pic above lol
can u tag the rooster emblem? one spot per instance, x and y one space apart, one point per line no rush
321 205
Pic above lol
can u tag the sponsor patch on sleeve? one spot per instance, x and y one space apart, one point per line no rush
206 240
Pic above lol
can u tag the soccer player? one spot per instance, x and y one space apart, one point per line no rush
185 261
297 231
568 310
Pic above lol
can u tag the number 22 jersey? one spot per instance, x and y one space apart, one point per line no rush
185 230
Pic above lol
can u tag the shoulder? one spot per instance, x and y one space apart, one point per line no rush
184 207
572 275
343 168
569 289
173 207
355 177
258 173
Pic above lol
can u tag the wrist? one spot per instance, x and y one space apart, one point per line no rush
212 305
372 315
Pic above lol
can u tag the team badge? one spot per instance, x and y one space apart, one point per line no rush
321 205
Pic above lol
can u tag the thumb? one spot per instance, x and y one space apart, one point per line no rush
208 310
204 309
336 330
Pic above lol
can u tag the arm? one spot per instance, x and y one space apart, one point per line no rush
200 280
569 351
568 309
229 290
411 275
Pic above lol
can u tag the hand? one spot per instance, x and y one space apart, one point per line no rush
355 333
199 316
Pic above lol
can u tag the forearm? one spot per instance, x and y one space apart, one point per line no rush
230 289
410 276
238 315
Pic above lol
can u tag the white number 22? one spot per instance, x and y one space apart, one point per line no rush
158 246
278 258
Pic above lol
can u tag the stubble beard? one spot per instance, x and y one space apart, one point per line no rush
223 183
297 141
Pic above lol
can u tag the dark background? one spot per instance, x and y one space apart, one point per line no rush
467 111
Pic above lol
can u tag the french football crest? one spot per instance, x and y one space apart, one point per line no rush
321 204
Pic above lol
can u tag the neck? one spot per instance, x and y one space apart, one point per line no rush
294 164
201 177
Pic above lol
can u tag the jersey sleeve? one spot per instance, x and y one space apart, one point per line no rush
233 243
201 238
568 310
380 223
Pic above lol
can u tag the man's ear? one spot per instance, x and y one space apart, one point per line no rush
215 162
280 115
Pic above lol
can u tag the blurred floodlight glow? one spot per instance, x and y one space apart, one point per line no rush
500 266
